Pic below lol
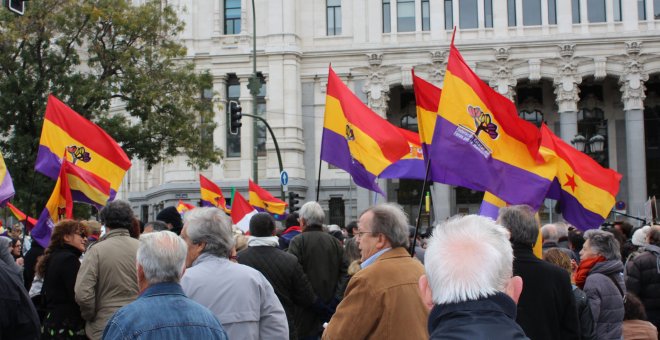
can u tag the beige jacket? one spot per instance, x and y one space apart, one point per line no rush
107 280
382 302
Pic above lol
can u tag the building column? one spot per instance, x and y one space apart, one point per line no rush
220 107
441 196
247 130
633 94
567 93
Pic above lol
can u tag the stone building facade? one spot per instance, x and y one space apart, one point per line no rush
585 67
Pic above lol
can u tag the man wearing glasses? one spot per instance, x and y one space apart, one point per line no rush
383 296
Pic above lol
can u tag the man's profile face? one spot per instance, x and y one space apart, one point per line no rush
194 250
368 243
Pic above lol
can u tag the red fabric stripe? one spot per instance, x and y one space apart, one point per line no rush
392 145
209 185
500 106
262 193
90 178
411 136
427 95
86 132
239 208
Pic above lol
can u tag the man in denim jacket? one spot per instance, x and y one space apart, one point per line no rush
162 311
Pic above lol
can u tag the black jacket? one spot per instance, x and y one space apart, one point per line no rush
546 308
18 318
29 262
587 327
322 259
643 279
486 318
59 280
286 276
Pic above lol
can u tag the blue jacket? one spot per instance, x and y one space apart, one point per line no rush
605 299
492 318
162 311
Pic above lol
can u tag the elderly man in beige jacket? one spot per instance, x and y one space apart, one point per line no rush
107 279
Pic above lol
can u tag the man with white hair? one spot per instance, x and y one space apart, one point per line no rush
382 299
550 236
468 282
322 257
162 311
239 296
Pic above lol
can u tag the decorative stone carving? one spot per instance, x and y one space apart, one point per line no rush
376 87
534 70
502 80
633 78
435 69
600 64
567 81
406 76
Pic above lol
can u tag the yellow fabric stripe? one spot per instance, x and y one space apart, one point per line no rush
209 195
591 197
456 96
3 168
274 208
76 183
363 148
57 140
426 124
55 201
494 200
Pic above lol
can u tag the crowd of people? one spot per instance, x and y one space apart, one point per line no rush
200 277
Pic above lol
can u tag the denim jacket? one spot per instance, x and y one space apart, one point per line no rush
163 311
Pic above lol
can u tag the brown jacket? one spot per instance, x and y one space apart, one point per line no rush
107 280
382 301
639 330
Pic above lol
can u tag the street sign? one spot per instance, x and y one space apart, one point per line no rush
284 177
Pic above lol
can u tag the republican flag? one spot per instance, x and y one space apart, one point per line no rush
91 148
211 194
262 200
73 184
241 212
355 138
183 207
411 165
585 191
6 185
22 217
479 142
427 100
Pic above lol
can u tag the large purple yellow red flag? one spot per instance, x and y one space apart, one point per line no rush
411 165
22 217
6 185
585 191
183 207
211 194
262 200
90 146
355 138
427 100
479 142
73 184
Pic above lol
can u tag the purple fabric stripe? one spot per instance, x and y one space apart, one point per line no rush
489 210
48 163
573 211
6 189
42 231
335 151
79 196
206 203
457 162
405 168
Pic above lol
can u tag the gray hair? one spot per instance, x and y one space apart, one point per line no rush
562 229
521 222
390 220
156 225
312 213
603 243
549 232
468 257
117 214
162 256
212 226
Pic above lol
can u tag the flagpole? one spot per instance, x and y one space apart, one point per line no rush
318 181
421 204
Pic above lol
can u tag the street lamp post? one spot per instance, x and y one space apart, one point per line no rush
254 85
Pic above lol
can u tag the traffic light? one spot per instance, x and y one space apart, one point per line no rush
235 117
16 6
293 202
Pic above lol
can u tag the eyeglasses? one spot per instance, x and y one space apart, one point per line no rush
360 233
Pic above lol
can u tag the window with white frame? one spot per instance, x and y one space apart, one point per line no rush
426 16
641 10
575 9
449 15
488 13
232 16
387 16
596 11
404 12
511 12
405 15
468 15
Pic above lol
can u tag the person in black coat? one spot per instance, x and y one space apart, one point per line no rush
18 318
59 267
30 262
643 276
281 269
546 309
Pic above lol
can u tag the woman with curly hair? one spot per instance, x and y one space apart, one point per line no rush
59 267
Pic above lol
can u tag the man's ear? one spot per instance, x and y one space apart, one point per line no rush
425 292
514 288
140 273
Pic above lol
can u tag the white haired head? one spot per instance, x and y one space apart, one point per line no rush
468 258
162 256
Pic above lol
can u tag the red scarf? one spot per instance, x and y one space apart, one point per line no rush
583 270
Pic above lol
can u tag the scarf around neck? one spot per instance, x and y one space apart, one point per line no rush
583 270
